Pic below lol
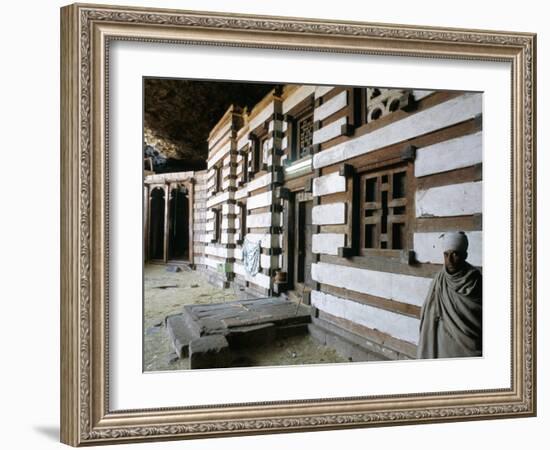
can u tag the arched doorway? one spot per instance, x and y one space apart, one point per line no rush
156 224
179 224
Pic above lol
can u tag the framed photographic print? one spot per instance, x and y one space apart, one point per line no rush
277 224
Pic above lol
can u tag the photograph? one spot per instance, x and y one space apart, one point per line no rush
331 224
289 224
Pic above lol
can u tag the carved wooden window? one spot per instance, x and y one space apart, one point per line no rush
217 232
382 102
259 151
300 129
264 150
304 133
372 104
245 172
385 203
242 218
218 179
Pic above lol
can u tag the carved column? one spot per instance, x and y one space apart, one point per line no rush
191 218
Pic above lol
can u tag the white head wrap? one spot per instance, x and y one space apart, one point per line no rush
457 241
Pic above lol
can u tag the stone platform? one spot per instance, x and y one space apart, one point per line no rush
208 334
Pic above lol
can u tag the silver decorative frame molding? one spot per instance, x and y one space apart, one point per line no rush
86 31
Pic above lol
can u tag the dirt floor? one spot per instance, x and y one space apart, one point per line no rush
166 292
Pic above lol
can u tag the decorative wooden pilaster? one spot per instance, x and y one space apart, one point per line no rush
146 219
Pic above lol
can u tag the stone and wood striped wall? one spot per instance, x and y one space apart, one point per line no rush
421 150
377 294
258 202
200 236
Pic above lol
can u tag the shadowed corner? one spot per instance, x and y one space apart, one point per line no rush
51 432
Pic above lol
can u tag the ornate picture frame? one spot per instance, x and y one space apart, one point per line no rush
86 34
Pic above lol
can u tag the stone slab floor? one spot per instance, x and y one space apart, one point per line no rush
166 292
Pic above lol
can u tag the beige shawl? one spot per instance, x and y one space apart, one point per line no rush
450 320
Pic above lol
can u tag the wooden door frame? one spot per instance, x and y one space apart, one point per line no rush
189 185
290 240
148 227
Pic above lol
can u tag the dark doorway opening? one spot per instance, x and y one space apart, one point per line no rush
299 244
156 225
303 232
179 225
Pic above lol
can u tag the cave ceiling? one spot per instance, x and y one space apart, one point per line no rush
179 114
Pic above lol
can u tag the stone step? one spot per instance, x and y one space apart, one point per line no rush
209 352
254 335
180 334
190 323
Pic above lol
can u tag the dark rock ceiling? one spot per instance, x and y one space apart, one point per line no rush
179 115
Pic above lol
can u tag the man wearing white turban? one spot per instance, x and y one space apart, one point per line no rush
450 320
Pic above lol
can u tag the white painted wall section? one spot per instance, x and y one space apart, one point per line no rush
419 94
331 106
329 184
238 253
260 182
266 240
260 200
219 145
221 252
214 263
393 286
296 97
332 130
439 116
327 243
241 193
229 238
427 247
258 220
243 141
447 201
226 171
269 262
396 325
284 142
261 117
200 215
259 279
204 238
219 155
322 90
453 154
331 214
220 133
211 183
223 197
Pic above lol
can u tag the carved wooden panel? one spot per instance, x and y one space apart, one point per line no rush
304 133
382 102
384 206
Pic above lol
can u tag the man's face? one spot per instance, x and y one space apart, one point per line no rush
454 260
